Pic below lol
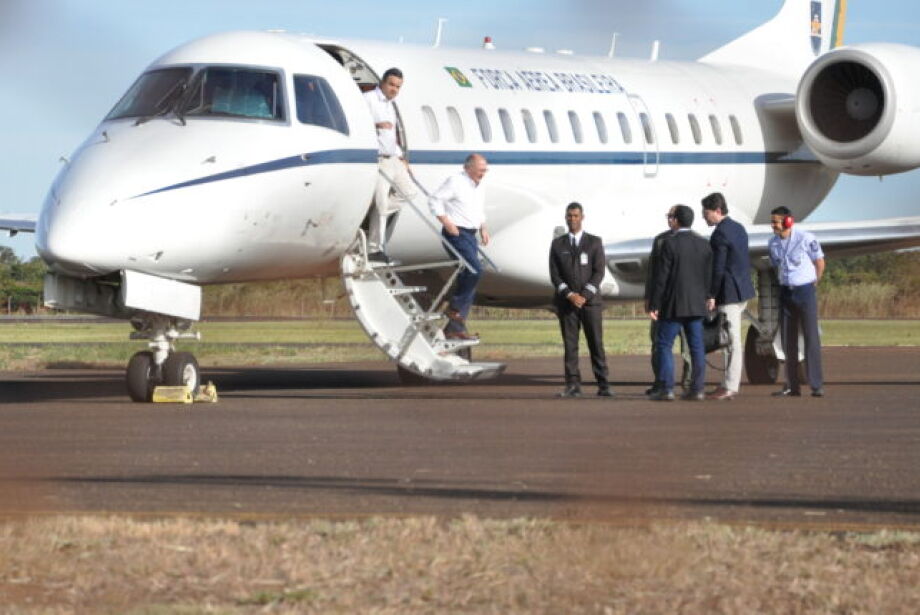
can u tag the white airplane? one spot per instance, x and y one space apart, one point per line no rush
252 156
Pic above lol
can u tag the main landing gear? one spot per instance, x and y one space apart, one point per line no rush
162 364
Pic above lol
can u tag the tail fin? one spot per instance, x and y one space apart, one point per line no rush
788 43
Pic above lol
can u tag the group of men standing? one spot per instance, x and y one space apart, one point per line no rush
689 277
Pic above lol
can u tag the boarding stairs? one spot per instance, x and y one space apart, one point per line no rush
395 319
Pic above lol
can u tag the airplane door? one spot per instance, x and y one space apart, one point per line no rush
650 150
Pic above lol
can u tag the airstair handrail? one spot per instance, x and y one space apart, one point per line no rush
489 262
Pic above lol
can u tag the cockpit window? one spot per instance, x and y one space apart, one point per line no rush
235 92
152 94
317 103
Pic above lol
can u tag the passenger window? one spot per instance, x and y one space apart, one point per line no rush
243 92
625 130
601 126
736 129
431 122
695 129
153 93
317 104
551 126
456 124
647 128
529 126
485 128
716 129
507 126
576 126
672 128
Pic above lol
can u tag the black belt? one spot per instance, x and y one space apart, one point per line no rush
791 287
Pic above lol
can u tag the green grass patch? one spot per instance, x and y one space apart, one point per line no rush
74 345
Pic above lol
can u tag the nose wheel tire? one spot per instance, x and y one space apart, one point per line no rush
141 377
181 369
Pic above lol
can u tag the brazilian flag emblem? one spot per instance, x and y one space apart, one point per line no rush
459 77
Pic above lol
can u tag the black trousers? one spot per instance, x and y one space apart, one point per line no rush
571 320
799 307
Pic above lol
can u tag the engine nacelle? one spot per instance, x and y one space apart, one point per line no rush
858 108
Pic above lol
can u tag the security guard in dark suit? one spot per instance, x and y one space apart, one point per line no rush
576 268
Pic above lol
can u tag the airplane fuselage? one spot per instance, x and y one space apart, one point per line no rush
242 192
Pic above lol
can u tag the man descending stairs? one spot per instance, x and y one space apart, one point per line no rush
390 311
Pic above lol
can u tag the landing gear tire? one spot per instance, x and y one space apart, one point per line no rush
181 369
761 369
141 377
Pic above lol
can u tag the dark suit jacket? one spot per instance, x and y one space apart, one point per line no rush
683 277
565 267
652 268
731 264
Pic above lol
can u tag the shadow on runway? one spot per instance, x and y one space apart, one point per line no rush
466 490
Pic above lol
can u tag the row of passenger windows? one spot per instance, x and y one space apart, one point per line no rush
548 119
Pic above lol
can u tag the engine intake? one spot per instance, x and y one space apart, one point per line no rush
857 109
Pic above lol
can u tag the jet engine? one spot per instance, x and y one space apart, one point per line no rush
858 108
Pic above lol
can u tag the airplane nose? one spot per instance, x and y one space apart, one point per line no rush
67 240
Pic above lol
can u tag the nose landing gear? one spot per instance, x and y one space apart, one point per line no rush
162 364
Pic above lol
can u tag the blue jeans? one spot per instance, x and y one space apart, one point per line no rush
799 307
668 329
466 244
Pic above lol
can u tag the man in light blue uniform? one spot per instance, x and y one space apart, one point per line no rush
799 263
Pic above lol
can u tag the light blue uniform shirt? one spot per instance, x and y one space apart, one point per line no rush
794 257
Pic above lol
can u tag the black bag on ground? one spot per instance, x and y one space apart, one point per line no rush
716 334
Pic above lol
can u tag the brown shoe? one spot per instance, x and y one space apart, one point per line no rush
454 315
722 394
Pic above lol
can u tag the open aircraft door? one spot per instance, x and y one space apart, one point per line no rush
650 151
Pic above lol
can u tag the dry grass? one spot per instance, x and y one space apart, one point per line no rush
425 565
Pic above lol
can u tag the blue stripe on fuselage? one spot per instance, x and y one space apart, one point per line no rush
368 156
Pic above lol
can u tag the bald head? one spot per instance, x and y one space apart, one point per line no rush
476 166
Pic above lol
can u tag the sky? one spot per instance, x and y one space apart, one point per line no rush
64 63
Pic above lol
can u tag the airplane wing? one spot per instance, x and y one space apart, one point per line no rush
18 223
837 239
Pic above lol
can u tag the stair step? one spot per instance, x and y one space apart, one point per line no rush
426 317
453 345
406 290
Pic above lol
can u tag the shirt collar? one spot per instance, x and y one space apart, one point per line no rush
470 179
381 96
577 236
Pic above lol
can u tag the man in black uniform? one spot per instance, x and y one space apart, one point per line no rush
576 268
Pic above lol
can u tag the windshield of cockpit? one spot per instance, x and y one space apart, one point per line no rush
213 91
152 94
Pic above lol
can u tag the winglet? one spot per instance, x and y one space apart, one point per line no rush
788 43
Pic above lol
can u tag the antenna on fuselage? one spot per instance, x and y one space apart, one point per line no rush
613 45
655 46
437 35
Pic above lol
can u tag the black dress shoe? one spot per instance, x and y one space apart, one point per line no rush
819 392
693 396
787 392
571 391
661 395
605 392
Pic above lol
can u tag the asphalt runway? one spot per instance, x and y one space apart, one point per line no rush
342 440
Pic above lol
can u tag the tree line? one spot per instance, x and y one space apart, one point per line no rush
885 285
